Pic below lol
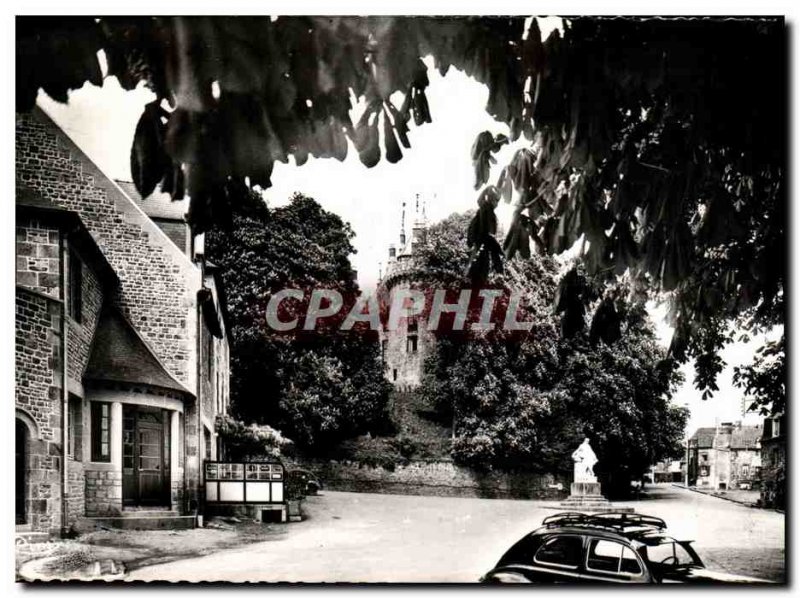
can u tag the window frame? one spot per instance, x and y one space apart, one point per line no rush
96 429
75 428
618 572
559 565
208 438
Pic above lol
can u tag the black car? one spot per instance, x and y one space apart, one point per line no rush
306 480
604 548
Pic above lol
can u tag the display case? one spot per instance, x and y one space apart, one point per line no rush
259 482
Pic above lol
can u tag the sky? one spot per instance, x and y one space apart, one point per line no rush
438 167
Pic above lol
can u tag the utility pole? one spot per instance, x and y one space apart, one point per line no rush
686 476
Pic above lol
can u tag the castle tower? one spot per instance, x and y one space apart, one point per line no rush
404 349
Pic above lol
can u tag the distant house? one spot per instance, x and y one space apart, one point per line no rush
773 462
725 457
668 471
121 352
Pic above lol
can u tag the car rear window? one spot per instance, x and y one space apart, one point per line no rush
562 551
612 557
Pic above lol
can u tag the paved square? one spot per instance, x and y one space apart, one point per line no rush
350 537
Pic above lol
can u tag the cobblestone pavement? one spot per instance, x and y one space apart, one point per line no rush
350 537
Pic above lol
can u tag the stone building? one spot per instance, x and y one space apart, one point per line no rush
725 457
121 343
668 471
403 350
773 462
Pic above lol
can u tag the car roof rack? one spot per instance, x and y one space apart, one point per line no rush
622 522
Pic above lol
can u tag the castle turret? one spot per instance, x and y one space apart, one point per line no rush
403 349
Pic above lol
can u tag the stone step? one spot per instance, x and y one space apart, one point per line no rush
148 522
149 513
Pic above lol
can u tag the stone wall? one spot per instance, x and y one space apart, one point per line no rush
438 478
76 501
402 364
38 404
103 492
37 257
81 333
157 281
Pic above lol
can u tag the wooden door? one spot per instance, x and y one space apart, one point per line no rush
145 472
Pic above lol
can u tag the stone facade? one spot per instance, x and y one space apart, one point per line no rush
38 253
725 457
773 463
38 392
157 280
77 227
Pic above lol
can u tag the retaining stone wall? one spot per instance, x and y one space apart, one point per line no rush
438 478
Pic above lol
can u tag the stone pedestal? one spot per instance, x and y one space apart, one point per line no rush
587 496
585 489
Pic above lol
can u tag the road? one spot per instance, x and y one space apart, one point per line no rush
351 537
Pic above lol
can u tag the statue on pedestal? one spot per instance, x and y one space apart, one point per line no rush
585 460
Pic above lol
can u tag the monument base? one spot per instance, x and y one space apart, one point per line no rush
587 497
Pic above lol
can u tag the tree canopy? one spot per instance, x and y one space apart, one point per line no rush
316 388
658 142
526 400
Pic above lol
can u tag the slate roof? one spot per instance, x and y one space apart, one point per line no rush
746 437
157 204
119 354
703 437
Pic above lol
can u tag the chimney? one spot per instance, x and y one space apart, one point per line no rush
392 251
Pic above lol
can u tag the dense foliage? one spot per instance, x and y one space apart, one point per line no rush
660 142
529 402
316 388
249 442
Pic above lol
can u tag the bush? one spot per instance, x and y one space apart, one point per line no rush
251 442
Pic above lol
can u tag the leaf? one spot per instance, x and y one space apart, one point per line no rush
419 107
518 238
393 152
366 137
149 160
606 323
400 124
505 185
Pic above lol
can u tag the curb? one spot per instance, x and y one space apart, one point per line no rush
733 500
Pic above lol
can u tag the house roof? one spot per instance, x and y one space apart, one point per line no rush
156 205
119 354
31 202
742 437
703 437
746 437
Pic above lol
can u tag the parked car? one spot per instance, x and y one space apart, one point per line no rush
604 548
305 480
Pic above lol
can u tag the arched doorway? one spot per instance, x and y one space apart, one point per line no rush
21 471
